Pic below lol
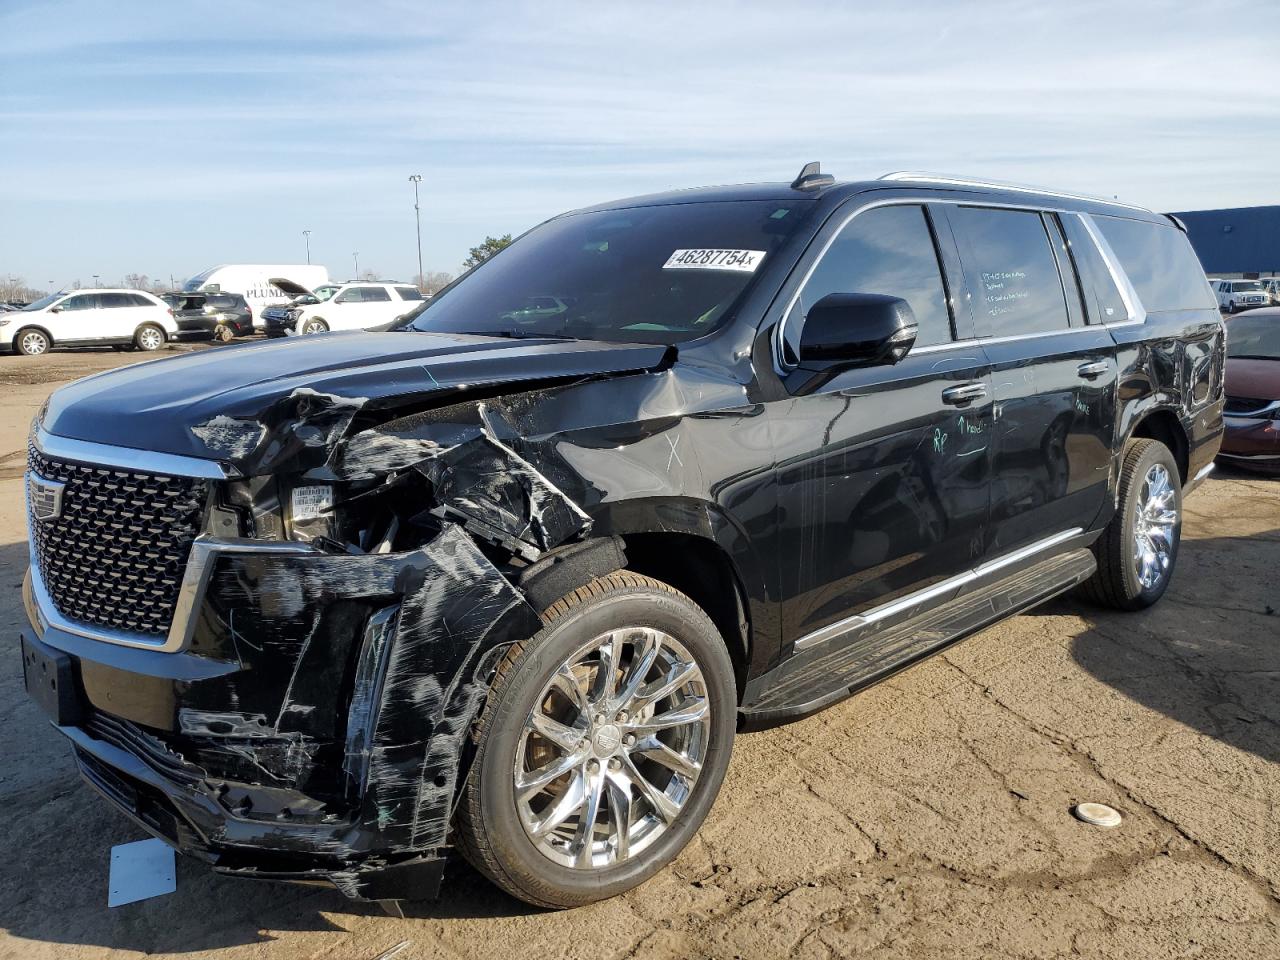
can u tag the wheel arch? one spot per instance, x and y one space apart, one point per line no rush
704 572
1163 424
31 326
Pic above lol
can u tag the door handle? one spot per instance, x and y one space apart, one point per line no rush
964 393
1093 369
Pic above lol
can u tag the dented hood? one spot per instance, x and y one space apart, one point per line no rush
154 406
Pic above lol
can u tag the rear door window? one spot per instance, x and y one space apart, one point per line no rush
1160 263
375 294
113 301
1011 270
888 250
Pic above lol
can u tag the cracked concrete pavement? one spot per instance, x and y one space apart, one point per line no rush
927 817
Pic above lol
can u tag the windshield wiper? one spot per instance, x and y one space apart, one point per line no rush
515 334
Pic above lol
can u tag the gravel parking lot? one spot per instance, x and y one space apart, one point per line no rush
928 817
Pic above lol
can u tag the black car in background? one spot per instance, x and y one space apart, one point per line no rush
510 578
211 316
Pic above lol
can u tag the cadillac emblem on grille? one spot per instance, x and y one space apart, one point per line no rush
45 497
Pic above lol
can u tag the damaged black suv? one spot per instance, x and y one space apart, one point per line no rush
509 580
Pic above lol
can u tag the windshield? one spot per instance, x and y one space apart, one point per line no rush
1246 285
659 274
1257 336
44 301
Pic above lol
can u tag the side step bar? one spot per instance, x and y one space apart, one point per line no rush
814 678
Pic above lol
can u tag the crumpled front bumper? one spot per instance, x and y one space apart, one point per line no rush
315 728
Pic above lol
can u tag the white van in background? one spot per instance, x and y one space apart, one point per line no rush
253 282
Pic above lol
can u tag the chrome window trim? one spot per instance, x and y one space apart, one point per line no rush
1132 302
911 600
127 458
1127 293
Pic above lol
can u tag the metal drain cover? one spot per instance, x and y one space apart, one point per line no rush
1097 814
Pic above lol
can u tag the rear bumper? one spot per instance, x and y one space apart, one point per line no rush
315 737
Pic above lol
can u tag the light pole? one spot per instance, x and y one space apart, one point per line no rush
355 255
416 179
307 234
95 280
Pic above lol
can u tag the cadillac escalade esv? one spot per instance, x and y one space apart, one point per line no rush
510 579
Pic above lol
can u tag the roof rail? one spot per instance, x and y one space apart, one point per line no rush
910 176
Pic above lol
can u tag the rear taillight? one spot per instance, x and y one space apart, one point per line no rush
171 313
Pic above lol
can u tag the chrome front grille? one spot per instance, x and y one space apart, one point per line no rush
115 553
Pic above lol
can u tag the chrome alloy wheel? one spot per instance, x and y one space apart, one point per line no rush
1154 527
150 339
610 753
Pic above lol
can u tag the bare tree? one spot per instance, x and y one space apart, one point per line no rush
433 281
16 288
135 281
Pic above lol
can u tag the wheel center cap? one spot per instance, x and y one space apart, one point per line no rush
606 740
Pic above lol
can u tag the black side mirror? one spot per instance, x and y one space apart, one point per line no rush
57 309
857 330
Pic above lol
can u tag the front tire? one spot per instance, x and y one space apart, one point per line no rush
32 342
1137 552
602 744
315 326
149 337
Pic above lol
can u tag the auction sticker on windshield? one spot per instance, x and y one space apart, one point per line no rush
744 261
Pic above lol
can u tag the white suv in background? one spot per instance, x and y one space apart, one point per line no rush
89 318
357 305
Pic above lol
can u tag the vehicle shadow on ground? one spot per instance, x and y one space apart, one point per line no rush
1207 655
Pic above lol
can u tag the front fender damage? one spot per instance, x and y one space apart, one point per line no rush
335 745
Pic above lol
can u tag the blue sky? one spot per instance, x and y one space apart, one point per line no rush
165 138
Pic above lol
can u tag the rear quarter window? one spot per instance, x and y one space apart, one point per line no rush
1160 263
409 293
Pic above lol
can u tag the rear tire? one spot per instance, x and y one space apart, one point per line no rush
149 337
1138 550
608 736
32 342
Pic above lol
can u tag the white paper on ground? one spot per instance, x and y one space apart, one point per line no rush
140 871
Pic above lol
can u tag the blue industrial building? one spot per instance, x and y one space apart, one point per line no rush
1236 242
